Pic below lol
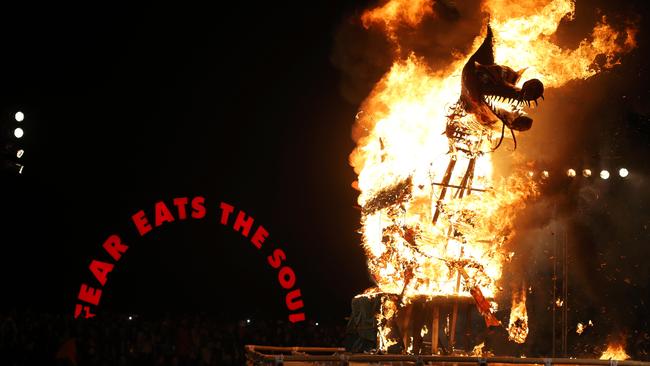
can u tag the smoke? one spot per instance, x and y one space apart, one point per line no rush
598 124
364 55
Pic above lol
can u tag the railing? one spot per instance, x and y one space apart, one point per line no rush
258 355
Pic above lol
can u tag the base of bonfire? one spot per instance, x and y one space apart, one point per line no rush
444 325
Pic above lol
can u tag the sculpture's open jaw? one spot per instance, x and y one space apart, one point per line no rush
507 105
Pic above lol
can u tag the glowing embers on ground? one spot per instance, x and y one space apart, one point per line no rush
615 351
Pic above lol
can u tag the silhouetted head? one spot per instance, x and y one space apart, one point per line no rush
490 91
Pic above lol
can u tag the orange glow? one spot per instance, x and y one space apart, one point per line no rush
518 325
477 351
523 40
615 351
394 13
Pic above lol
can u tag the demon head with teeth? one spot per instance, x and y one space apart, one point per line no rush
489 90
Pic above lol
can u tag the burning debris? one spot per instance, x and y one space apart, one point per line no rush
435 221
477 351
580 328
390 196
518 324
615 351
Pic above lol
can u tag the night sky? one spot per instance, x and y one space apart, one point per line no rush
250 104
129 105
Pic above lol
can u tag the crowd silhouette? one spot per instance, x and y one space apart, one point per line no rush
30 338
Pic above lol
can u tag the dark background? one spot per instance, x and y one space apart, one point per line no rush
127 105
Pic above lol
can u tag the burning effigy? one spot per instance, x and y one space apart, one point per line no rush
436 218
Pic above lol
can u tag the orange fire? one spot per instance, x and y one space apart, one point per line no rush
615 351
394 13
518 325
402 153
524 32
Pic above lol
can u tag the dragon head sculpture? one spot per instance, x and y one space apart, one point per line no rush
485 83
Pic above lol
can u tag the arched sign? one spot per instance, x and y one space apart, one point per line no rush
185 208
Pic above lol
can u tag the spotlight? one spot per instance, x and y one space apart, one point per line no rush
19 116
586 173
316 323
545 174
19 153
18 132
248 321
571 173
130 317
604 174
623 172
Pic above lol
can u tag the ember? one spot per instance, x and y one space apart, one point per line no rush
580 328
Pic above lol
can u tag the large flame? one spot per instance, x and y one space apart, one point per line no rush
409 232
615 351
524 31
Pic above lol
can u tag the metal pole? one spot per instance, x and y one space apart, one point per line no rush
435 329
554 279
565 285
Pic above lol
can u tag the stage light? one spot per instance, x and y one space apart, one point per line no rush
316 323
545 174
19 116
19 153
623 172
586 173
604 174
571 173
248 321
130 317
18 132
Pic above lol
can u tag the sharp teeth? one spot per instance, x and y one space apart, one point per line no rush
535 102
542 96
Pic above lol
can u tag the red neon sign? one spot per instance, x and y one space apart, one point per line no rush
183 208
